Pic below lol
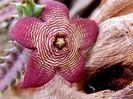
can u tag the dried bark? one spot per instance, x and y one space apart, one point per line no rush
112 8
114 44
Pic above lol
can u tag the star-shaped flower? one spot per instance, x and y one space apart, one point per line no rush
56 42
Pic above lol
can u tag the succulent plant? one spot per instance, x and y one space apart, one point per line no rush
57 42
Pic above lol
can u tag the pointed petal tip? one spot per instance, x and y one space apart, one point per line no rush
55 9
88 32
22 29
36 74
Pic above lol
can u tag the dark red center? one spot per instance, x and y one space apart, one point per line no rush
60 41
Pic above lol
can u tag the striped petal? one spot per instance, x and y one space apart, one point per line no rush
25 31
54 9
37 73
56 43
88 32
73 70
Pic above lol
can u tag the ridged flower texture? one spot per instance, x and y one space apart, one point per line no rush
57 43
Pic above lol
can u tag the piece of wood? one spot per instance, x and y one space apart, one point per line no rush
114 44
111 8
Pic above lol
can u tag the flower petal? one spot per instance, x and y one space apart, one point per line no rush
54 9
25 31
37 73
73 70
88 32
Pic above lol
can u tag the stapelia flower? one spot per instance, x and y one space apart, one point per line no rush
56 42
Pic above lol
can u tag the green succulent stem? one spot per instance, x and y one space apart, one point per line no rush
29 8
19 9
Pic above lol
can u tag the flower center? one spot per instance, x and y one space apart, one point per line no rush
59 41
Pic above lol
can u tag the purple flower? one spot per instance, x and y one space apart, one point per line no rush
57 43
